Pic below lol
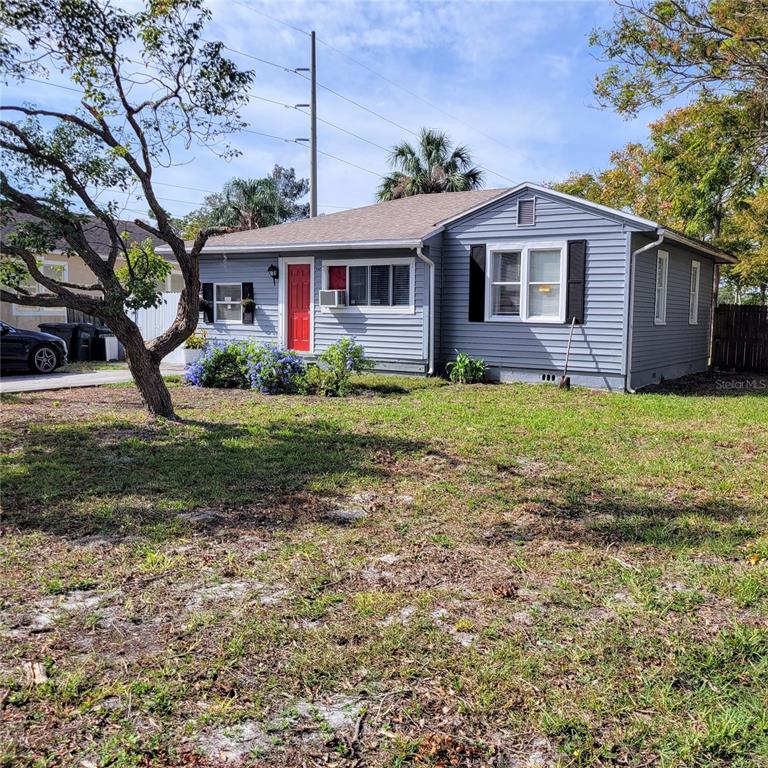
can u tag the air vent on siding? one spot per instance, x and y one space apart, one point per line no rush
526 213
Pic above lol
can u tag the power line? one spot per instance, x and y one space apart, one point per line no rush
301 144
417 96
326 88
391 82
272 18
347 162
349 133
251 56
321 85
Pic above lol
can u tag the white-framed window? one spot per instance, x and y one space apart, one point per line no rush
526 282
693 301
506 282
373 284
662 276
57 270
227 302
526 212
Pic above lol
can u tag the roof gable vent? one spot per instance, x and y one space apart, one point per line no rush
526 212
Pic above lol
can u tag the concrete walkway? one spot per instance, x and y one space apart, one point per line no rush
30 382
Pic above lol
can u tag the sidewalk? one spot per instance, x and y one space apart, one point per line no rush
30 382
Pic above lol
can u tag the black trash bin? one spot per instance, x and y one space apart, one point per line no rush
86 334
66 331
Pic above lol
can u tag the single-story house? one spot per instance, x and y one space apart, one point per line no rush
60 265
499 274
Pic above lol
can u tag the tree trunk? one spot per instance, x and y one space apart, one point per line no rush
145 369
149 381
763 287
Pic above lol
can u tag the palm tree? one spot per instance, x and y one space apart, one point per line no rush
432 166
251 204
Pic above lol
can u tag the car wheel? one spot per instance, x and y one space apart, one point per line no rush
44 359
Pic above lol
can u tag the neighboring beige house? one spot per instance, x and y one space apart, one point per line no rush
72 269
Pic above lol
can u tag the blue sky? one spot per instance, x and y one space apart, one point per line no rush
515 76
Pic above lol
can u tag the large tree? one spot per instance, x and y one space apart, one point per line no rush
699 172
659 49
705 166
251 203
433 165
151 87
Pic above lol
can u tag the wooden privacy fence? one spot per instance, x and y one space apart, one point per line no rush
740 338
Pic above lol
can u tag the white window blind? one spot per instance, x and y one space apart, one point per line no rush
693 305
662 268
505 285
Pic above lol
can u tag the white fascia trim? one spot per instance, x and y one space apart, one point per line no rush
613 212
694 245
346 245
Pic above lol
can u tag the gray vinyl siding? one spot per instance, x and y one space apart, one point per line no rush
387 336
676 348
244 269
598 344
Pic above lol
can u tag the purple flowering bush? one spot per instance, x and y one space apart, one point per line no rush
274 370
221 366
245 365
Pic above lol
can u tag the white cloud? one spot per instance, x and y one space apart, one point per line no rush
520 72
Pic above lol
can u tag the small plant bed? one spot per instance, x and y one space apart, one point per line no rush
421 575
272 370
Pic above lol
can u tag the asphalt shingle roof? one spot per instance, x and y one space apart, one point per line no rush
96 232
409 218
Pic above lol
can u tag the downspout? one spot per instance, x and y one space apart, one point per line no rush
431 324
631 285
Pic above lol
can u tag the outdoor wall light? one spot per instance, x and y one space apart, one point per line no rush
273 272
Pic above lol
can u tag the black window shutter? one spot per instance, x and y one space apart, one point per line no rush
577 268
249 310
208 299
477 283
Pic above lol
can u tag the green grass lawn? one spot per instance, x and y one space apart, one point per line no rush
522 576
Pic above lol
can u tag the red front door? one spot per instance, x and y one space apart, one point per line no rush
298 307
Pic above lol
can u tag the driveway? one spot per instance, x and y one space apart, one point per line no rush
30 382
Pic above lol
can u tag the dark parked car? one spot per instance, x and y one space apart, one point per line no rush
40 352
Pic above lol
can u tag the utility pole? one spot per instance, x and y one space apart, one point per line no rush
313 129
312 124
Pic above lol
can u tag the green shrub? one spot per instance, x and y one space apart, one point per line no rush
336 366
466 370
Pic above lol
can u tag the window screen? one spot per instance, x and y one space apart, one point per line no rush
358 286
401 285
380 285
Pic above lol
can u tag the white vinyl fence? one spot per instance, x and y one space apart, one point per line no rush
152 322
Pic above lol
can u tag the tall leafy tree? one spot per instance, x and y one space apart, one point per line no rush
697 173
151 88
706 163
433 165
659 49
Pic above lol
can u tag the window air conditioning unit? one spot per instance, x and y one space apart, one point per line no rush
333 298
